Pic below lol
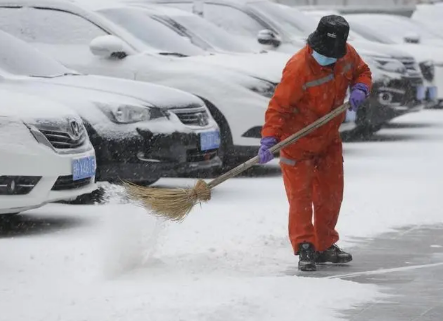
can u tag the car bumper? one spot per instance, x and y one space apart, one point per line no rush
146 156
387 101
40 176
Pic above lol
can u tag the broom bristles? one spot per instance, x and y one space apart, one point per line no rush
169 203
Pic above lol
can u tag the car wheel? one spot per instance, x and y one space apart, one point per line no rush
226 137
6 219
365 131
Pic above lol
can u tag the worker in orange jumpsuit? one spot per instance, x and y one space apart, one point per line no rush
314 82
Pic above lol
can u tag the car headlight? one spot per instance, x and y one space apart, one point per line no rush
427 69
390 64
131 114
128 114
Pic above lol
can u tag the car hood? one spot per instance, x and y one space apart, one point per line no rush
267 66
33 108
423 52
93 107
379 49
154 95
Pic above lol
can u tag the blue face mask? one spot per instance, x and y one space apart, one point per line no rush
323 60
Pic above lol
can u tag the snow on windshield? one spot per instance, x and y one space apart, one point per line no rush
210 33
398 27
19 58
370 33
151 32
295 22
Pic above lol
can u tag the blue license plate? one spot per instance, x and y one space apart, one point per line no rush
432 92
209 140
83 168
421 93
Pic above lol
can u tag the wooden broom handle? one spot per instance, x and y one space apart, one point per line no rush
291 139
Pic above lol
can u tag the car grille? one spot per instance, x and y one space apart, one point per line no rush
64 183
17 185
62 140
411 66
195 155
195 116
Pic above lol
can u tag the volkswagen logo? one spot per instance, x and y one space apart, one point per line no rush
74 130
202 119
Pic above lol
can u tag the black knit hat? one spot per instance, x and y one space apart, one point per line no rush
330 37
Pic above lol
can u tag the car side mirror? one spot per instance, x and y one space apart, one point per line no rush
412 38
108 46
268 38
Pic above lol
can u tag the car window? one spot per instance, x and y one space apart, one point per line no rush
48 26
153 33
370 33
199 28
294 22
232 20
19 58
399 28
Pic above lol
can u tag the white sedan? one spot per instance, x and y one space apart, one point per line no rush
85 41
46 155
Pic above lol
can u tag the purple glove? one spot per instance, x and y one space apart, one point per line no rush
358 95
264 154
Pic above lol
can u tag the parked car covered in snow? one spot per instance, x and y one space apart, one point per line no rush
140 131
46 155
401 29
199 31
87 42
137 20
429 57
398 87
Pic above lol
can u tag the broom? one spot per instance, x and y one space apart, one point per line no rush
176 203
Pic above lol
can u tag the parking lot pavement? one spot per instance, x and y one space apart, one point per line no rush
407 264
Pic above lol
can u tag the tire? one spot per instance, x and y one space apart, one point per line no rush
365 131
7 219
227 144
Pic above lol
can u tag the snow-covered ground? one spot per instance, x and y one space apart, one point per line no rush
229 260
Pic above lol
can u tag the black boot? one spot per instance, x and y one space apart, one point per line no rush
333 255
306 254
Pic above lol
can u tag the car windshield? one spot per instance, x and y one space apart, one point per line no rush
293 21
18 58
370 33
198 27
151 32
399 28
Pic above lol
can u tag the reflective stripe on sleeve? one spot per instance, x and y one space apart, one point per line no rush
287 161
318 82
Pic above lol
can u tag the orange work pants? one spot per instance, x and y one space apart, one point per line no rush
314 185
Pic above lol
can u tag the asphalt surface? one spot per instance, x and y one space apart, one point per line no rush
407 265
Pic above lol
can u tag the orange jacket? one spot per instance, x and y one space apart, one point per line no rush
307 92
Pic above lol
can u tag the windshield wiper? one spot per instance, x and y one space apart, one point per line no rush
55 76
177 54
